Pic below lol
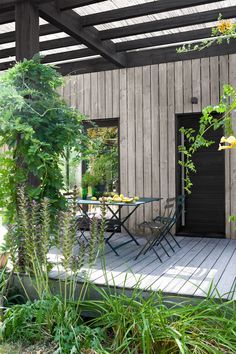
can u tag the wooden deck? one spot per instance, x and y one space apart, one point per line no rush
190 270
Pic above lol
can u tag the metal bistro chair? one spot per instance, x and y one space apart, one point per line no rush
161 226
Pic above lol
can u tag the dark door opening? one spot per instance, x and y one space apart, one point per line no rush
204 212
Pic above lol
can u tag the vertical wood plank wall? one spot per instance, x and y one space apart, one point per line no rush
146 100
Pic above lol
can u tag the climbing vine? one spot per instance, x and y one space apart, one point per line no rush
213 117
36 128
224 31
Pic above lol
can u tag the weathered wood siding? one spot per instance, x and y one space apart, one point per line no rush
147 100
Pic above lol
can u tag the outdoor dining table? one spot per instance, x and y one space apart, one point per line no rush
115 215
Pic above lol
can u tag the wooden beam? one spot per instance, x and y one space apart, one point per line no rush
7 65
14 2
154 7
169 54
58 43
27 30
63 5
9 5
50 58
169 23
164 40
140 58
71 4
71 23
73 54
147 57
46 45
121 47
47 29
6 17
9 37
86 66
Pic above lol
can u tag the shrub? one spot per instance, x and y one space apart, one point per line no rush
37 126
47 320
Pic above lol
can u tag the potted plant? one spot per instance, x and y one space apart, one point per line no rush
94 182
89 180
84 184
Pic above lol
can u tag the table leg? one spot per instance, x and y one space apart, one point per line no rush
121 224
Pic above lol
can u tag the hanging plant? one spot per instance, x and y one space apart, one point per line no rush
224 31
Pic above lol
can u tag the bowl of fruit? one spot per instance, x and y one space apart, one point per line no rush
118 198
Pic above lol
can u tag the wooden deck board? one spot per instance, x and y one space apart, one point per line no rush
227 283
215 271
155 276
182 272
151 266
198 266
202 274
189 271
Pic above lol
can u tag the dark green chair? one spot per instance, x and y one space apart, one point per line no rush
161 226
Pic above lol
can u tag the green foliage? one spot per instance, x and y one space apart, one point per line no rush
33 321
77 339
223 32
90 180
213 117
52 318
47 320
36 231
152 325
37 126
125 324
105 167
103 158
3 283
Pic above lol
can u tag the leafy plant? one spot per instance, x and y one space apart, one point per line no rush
213 117
90 180
36 231
224 31
36 126
103 160
154 325
52 318
79 338
47 320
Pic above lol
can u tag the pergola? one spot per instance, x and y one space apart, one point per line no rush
93 35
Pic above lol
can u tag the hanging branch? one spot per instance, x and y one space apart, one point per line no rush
209 120
223 32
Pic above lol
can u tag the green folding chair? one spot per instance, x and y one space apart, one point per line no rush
161 226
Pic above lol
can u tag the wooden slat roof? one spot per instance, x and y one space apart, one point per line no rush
128 32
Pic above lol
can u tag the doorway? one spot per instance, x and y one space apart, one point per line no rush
104 164
204 212
104 160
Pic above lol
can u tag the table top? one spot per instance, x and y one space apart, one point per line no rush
141 201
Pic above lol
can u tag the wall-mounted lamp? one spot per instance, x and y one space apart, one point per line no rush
194 100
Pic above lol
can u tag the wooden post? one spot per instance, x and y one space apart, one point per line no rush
27 45
27 29
27 42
